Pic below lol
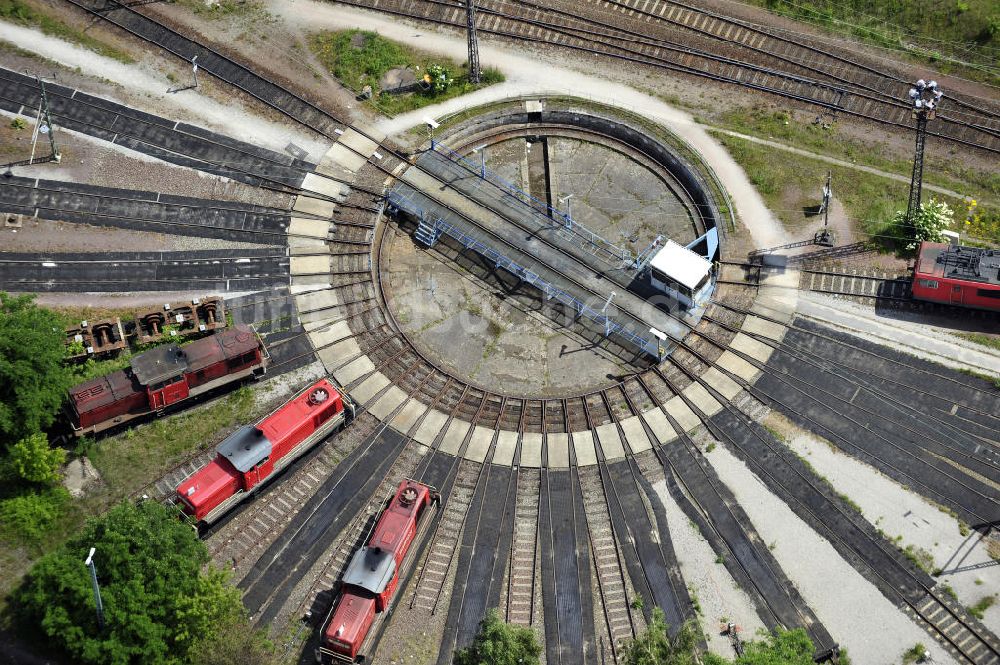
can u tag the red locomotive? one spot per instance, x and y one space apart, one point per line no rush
374 573
164 376
254 454
954 275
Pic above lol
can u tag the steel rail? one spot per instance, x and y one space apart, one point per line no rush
664 64
893 555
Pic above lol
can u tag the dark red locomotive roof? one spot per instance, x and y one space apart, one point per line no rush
102 391
969 264
165 362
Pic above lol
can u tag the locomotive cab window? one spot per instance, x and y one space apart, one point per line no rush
929 283
988 293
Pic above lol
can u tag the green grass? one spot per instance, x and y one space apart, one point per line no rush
919 557
22 13
956 36
914 654
988 341
134 458
360 58
92 368
985 603
784 127
223 8
793 182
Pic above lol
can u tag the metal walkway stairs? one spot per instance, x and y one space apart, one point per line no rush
427 232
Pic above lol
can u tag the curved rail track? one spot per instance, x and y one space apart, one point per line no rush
421 380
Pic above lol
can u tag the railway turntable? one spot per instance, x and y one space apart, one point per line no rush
583 280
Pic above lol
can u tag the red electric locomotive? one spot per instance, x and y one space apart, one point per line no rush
254 454
164 376
374 573
954 275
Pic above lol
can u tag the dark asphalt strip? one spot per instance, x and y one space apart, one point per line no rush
563 569
144 211
707 501
481 559
884 412
152 135
650 558
976 399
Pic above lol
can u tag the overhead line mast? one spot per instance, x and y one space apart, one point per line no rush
925 97
470 13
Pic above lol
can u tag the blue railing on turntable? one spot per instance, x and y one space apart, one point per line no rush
430 230
619 256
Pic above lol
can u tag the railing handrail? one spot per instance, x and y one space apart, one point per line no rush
620 254
551 291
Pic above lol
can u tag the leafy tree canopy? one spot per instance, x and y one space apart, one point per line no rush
33 381
499 643
654 646
157 604
32 459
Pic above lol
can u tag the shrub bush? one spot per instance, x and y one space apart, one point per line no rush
31 516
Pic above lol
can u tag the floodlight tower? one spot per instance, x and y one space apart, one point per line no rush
470 15
925 97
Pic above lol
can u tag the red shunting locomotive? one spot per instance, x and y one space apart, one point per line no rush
164 376
955 275
254 454
371 579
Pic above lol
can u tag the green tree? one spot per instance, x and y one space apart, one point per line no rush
33 514
156 599
499 643
33 381
929 221
654 646
33 460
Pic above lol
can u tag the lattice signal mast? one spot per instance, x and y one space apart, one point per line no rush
470 13
925 97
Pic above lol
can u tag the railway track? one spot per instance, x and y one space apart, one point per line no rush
765 42
855 283
859 283
168 141
887 290
976 640
448 530
529 416
226 270
238 538
149 211
759 70
607 561
520 605
970 643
